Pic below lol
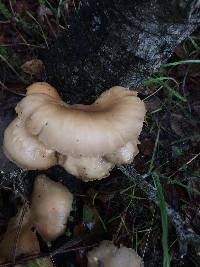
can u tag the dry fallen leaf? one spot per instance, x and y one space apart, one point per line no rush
33 67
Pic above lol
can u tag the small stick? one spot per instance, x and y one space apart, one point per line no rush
18 233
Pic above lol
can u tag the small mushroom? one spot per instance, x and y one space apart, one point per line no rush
47 215
108 255
24 149
27 242
50 208
87 168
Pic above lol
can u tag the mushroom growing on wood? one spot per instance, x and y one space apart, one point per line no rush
50 208
42 88
108 255
89 139
113 120
24 149
87 168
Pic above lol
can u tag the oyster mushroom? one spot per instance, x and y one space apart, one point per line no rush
114 119
89 139
50 208
87 168
47 215
24 149
42 88
108 255
124 155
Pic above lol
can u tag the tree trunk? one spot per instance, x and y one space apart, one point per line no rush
116 42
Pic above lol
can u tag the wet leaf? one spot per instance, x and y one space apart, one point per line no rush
33 67
40 262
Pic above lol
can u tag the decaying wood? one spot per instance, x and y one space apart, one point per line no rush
116 42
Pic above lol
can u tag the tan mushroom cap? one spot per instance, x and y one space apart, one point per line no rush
51 205
87 168
29 104
50 208
24 149
108 255
42 88
90 138
114 119
27 242
123 155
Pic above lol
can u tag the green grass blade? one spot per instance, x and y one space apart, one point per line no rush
174 92
181 62
161 81
164 218
42 32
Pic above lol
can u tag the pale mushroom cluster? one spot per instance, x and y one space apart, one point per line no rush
47 215
87 140
50 207
108 255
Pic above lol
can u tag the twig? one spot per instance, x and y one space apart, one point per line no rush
149 96
9 90
11 7
18 233
68 247
186 236
187 163
5 21
24 44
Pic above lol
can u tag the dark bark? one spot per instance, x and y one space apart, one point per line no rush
116 42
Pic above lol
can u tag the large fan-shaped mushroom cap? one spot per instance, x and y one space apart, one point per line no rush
115 118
